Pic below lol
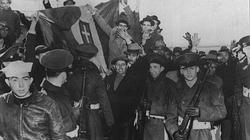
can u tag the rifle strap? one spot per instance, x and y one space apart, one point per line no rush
82 92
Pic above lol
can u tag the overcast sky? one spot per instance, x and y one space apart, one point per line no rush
216 21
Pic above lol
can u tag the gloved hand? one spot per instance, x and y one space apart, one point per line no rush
177 136
193 111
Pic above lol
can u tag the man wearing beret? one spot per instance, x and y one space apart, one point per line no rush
86 82
242 87
26 113
124 96
159 97
56 63
210 107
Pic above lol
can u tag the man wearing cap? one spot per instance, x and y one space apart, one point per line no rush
242 87
56 63
86 82
10 55
226 71
210 107
124 96
159 97
26 113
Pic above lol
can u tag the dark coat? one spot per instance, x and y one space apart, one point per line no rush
62 98
243 80
160 92
150 43
95 92
211 105
13 22
36 118
125 98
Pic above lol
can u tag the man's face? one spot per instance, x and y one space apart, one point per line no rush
223 56
146 27
212 68
121 67
3 31
155 69
247 52
20 85
5 4
132 57
190 73
123 26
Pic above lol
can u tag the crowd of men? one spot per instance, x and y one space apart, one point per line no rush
149 93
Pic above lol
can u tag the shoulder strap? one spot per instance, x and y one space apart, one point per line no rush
83 70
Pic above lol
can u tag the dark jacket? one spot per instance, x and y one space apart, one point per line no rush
94 92
125 98
35 118
212 107
160 92
62 98
13 22
150 43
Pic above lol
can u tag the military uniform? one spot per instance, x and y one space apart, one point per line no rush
211 102
57 61
32 117
160 94
242 90
97 104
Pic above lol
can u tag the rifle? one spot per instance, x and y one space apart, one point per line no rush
142 110
186 124
236 119
83 112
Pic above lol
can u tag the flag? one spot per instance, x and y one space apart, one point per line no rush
67 27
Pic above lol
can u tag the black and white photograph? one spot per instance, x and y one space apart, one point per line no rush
124 69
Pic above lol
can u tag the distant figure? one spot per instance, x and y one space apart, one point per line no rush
11 19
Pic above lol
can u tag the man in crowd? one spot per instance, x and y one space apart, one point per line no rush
118 35
242 87
124 95
149 37
210 107
11 19
86 86
4 41
159 95
226 71
26 113
56 63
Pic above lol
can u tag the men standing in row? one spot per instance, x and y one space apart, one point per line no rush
210 107
26 113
